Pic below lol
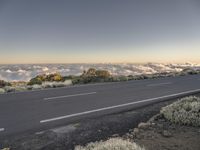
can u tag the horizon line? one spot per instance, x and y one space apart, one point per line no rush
187 62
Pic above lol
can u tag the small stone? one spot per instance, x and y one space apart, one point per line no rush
130 136
186 137
143 125
166 133
139 136
136 130
115 135
131 130
160 126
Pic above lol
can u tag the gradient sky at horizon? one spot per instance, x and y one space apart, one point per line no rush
99 31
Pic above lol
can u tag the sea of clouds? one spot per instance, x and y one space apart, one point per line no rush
25 72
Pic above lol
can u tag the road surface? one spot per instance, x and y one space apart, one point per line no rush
43 109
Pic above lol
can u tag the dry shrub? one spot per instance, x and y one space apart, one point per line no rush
111 144
185 111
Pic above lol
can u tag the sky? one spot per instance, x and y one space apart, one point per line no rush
99 31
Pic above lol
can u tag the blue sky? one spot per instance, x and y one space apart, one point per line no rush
99 31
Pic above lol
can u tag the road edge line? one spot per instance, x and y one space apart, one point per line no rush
121 105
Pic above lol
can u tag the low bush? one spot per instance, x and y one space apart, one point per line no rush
2 91
29 87
111 144
92 76
36 87
9 89
56 84
46 78
68 82
185 111
20 88
34 81
4 83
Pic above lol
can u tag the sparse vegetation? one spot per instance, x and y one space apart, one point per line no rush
56 84
56 77
35 80
4 83
111 144
90 76
9 89
20 88
93 75
2 91
36 87
186 111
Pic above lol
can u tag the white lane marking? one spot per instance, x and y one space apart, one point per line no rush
118 106
158 84
65 96
2 129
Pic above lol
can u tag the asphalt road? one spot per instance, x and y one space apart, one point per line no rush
43 109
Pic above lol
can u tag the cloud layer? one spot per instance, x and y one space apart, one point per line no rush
26 72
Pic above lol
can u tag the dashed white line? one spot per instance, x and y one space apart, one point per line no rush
158 84
118 106
73 95
2 129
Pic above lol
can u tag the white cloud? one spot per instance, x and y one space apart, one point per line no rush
26 72
21 71
45 69
8 71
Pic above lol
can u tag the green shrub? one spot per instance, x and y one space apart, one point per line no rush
53 77
46 78
77 80
102 74
36 80
111 144
185 111
123 78
96 73
4 83
93 75
90 72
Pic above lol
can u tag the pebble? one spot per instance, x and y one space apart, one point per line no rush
166 133
143 125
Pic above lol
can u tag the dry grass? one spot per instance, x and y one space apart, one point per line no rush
111 144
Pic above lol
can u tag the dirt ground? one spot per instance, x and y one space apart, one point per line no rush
159 134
